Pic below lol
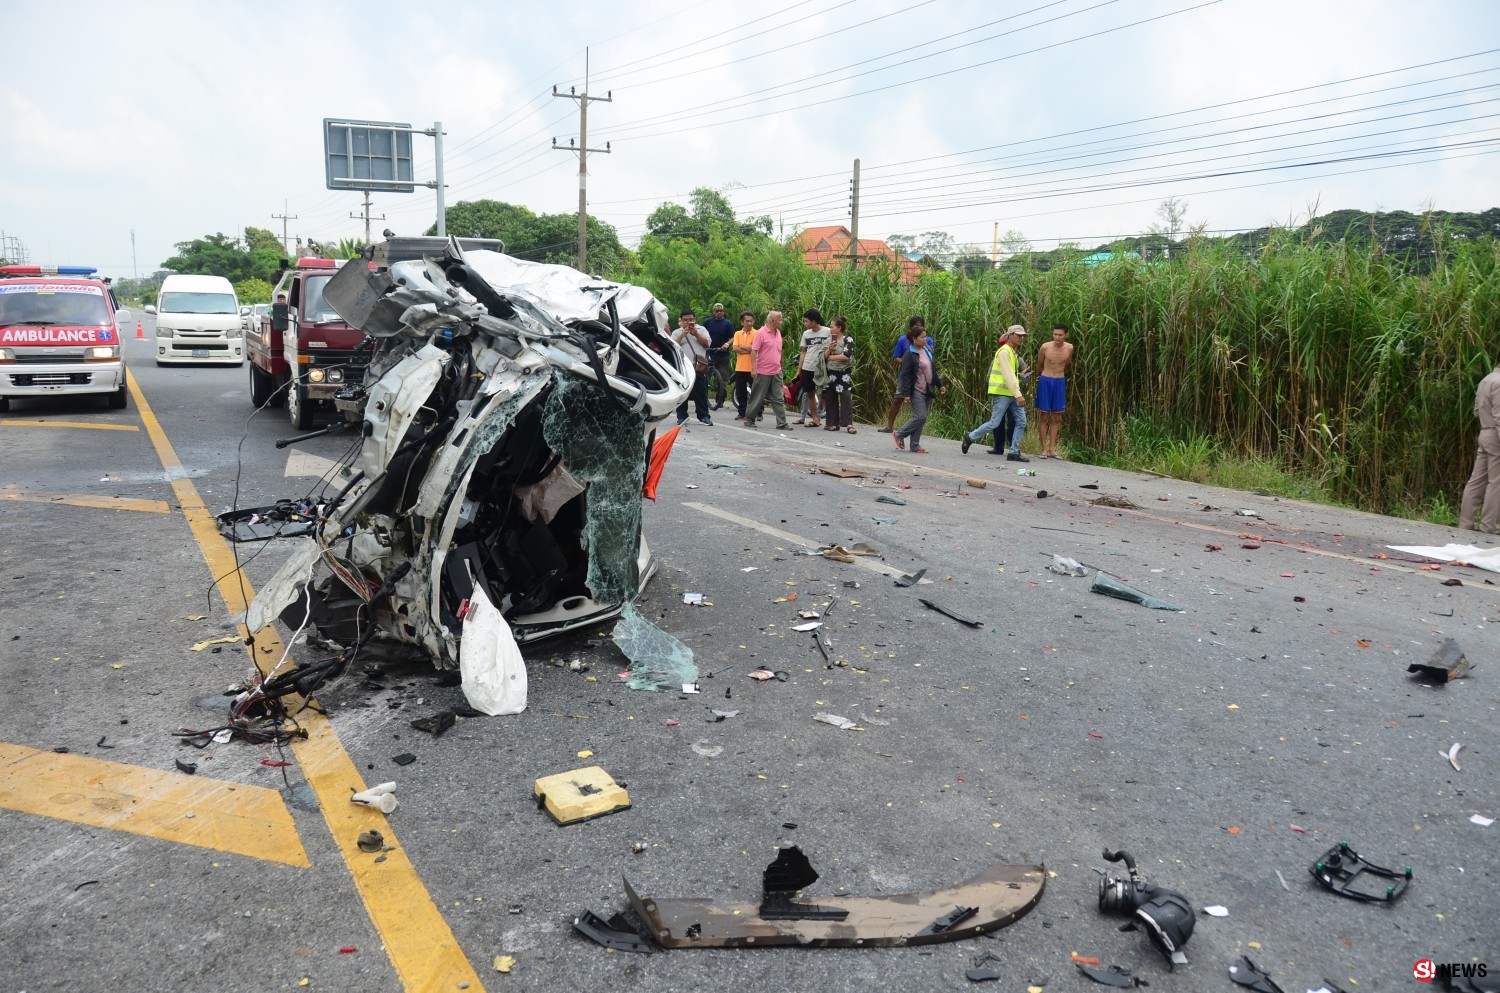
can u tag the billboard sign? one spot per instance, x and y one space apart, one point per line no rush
368 155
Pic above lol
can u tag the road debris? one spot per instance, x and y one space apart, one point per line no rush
708 751
837 553
980 973
892 500
1167 914
844 473
1115 502
188 767
842 723
226 640
437 723
283 519
616 933
1481 820
995 897
1115 975
693 599
1064 566
1452 756
505 963
809 626
371 841
580 795
948 613
1246 974
1447 662
911 579
1340 869
382 797
1108 586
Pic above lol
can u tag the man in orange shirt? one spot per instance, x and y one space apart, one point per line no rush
744 372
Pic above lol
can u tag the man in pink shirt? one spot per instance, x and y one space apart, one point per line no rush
765 362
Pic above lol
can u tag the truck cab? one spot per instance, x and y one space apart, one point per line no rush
303 354
58 334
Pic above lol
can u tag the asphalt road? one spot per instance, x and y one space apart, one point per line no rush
1226 746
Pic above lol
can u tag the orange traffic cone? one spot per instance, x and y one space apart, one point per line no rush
140 331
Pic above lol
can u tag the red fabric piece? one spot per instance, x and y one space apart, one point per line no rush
659 452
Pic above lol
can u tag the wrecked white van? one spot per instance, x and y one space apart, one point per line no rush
507 414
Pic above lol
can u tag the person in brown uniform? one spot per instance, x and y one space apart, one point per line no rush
1484 483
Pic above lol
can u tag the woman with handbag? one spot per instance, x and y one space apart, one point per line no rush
693 340
838 392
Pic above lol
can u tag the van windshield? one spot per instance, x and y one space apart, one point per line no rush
197 303
80 306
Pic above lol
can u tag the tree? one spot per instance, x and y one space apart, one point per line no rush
711 212
972 260
253 291
1014 243
937 248
259 239
1172 212
902 244
220 255
539 237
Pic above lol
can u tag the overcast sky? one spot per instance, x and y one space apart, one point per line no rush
1062 119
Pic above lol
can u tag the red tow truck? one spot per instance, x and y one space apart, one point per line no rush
303 353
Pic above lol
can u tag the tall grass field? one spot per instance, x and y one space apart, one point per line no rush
1331 363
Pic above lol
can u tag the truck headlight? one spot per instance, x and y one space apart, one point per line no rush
104 352
335 375
315 375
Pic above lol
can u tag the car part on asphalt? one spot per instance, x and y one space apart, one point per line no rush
1112 976
1109 586
615 933
1167 914
506 412
998 896
1340 869
1246 974
283 519
911 579
580 795
948 613
1448 662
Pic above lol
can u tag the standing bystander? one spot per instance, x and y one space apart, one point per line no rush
838 394
720 331
898 353
1484 483
918 383
1005 395
810 371
693 341
1051 388
744 369
766 358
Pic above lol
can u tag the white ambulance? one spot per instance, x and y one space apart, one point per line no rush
58 334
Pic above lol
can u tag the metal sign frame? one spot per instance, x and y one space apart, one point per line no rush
368 155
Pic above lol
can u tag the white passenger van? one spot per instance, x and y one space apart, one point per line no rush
198 320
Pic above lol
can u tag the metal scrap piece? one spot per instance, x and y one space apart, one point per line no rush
615 933
1448 662
948 613
1002 893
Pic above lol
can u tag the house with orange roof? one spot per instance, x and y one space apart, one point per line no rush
829 247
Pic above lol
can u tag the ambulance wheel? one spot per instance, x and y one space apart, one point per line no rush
118 399
4 405
298 407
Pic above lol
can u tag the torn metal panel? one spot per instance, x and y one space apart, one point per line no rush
506 416
999 895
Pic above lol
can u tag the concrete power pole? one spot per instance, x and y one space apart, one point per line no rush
583 150
854 218
366 216
995 248
283 217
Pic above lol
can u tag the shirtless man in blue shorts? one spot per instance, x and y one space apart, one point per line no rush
1051 388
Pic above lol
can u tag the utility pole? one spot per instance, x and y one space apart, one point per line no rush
854 218
367 215
135 270
995 248
583 150
283 217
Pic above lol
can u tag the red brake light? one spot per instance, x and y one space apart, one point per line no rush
311 263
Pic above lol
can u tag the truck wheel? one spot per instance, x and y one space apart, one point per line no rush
4 405
279 390
261 385
119 398
298 407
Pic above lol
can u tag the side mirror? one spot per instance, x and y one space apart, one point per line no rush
122 315
150 309
244 311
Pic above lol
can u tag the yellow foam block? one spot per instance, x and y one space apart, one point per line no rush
580 794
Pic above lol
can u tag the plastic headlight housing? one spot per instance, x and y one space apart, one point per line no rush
235 331
315 375
104 352
162 332
335 375
7 354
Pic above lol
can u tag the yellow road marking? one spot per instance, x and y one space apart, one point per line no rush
420 944
12 422
192 810
84 500
859 560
